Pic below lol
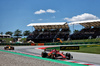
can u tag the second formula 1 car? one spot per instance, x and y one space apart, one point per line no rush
8 47
54 54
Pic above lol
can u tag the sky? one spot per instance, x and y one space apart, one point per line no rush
17 14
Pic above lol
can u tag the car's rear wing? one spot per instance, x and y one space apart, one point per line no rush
49 50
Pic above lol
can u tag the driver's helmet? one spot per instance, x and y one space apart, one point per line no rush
54 50
61 52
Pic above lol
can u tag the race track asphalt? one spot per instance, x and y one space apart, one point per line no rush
80 57
8 59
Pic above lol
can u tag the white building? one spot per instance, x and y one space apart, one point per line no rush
5 36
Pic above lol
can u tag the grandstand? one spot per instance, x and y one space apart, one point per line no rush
49 32
91 29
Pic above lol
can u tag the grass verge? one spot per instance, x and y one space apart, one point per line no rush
85 49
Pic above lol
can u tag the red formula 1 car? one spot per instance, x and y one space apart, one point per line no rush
54 54
8 47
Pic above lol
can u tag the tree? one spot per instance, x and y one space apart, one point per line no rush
1 33
26 33
69 31
75 31
18 33
9 33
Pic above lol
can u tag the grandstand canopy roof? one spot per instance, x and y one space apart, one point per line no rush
88 23
54 25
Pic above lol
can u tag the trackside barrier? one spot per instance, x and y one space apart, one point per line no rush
15 44
32 44
71 43
40 44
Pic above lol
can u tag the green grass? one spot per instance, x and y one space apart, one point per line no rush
84 40
23 39
7 39
94 50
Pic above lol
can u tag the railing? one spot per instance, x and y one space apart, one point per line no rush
39 35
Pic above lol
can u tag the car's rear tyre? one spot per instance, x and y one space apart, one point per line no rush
5 48
69 56
12 48
44 54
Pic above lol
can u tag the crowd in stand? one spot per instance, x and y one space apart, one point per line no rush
63 34
86 33
49 34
